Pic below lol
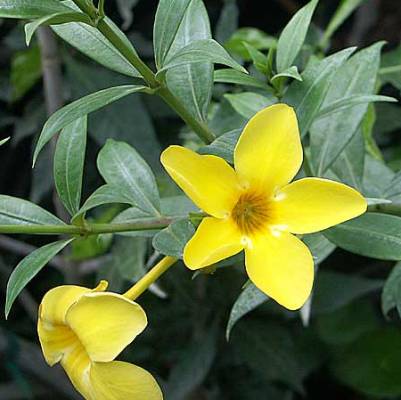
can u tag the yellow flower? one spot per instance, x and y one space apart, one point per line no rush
85 330
256 208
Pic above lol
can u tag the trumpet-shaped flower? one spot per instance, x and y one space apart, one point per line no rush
253 206
85 330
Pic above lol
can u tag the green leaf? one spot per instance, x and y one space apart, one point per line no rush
223 146
54 19
253 36
207 50
307 96
4 141
129 257
171 241
15 211
28 268
78 109
330 135
371 364
346 103
258 58
391 294
192 83
28 9
239 78
250 298
106 194
372 235
26 71
333 290
367 126
120 117
293 36
377 178
169 16
120 165
227 22
193 365
291 72
94 44
319 246
390 69
69 161
177 206
348 323
248 103
269 350
345 9
349 166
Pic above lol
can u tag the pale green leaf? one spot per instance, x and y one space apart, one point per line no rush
293 36
120 165
79 108
69 161
15 211
28 268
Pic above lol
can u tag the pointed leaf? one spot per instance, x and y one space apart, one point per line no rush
293 36
69 161
28 268
28 9
54 19
120 165
207 50
79 108
307 96
15 211
371 235
250 298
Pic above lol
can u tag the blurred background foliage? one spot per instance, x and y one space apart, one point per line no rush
346 345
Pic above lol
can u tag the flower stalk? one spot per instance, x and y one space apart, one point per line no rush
152 276
87 229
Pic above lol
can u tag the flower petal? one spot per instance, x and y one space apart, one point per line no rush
105 323
269 152
313 204
282 267
54 336
122 381
57 301
214 240
77 365
54 340
209 181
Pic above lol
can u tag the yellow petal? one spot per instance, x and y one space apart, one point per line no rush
269 152
105 323
214 240
123 381
208 180
282 267
55 340
57 301
313 204
77 365
55 337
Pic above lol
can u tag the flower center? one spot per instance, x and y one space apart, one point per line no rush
251 212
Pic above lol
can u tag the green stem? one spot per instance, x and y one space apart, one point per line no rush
394 209
87 229
152 276
132 57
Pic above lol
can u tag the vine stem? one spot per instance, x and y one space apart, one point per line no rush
152 276
88 229
199 127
